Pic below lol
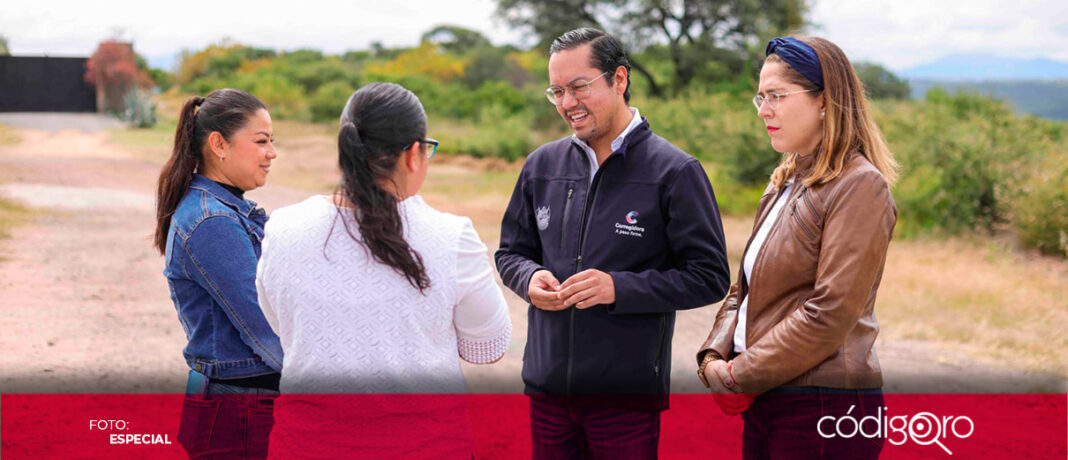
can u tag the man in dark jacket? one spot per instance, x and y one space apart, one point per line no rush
630 224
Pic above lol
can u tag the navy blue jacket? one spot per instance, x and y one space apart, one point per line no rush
649 219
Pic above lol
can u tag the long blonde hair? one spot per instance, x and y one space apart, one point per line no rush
848 125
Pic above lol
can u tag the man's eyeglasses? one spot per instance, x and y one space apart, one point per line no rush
774 99
579 89
430 147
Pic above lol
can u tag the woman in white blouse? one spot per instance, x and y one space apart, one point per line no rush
372 291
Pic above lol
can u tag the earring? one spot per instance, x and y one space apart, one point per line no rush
822 114
222 158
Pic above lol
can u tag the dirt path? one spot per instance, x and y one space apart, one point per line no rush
84 306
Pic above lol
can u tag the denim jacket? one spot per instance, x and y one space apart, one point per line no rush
213 246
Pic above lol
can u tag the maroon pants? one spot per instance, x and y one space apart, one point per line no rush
562 432
784 423
227 422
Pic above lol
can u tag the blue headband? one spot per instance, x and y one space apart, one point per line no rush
799 55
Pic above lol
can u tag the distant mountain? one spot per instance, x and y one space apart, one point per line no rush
1044 98
976 67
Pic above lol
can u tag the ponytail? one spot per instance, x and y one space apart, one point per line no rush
389 117
178 172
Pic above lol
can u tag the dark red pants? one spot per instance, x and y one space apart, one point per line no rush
561 432
785 424
228 422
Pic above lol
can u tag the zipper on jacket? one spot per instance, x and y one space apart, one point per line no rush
660 345
567 211
801 222
587 209
570 350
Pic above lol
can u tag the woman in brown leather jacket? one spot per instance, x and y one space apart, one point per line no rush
793 342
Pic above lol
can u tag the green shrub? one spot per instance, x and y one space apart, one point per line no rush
1040 211
499 134
328 101
164 79
284 99
469 104
205 85
963 157
733 198
313 75
433 95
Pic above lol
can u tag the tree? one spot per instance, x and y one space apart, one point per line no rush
692 29
456 39
114 71
881 83
3 47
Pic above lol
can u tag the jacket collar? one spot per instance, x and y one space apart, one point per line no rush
639 133
243 207
803 165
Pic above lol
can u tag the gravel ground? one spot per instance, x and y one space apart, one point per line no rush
54 122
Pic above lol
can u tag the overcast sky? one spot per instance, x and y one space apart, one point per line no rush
896 33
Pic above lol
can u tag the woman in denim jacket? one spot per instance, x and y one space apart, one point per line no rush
210 236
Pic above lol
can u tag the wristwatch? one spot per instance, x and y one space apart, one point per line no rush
709 357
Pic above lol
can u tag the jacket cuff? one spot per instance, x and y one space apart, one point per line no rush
701 355
623 296
721 338
748 380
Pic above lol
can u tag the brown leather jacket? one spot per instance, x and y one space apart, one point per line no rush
811 318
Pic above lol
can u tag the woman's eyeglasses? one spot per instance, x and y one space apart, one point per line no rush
774 99
430 147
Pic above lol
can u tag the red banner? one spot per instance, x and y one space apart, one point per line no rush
934 426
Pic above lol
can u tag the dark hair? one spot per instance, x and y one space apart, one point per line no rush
378 121
224 110
606 52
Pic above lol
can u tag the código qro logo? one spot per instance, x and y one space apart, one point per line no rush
923 428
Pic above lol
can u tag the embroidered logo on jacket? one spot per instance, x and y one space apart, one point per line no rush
542 215
630 228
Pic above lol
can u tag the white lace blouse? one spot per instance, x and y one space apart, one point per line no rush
349 324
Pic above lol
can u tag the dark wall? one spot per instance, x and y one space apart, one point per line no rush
45 84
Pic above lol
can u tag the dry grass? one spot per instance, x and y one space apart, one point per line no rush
989 300
11 213
152 144
9 135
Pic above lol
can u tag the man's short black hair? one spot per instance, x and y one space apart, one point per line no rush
606 52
